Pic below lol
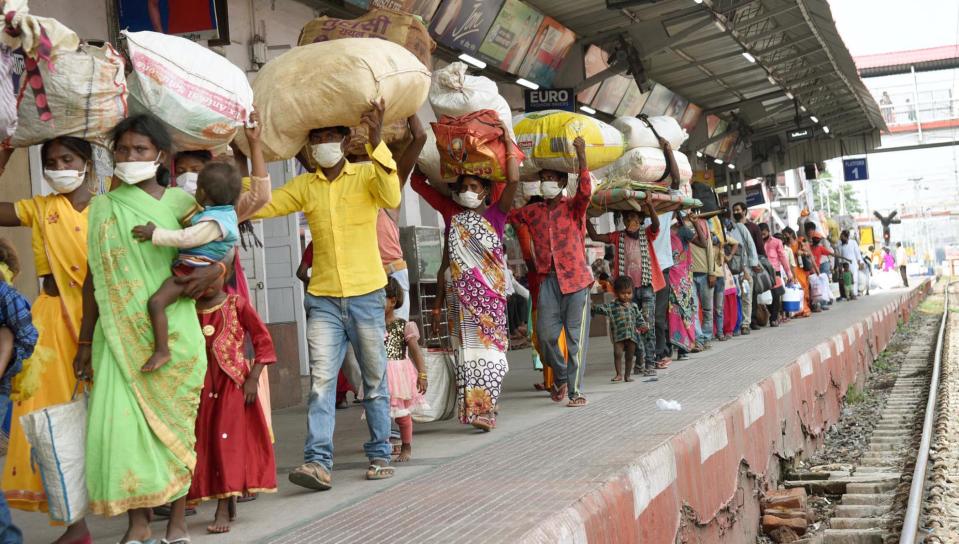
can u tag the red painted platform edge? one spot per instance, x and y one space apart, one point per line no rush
699 468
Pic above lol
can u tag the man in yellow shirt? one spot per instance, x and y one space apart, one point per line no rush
344 300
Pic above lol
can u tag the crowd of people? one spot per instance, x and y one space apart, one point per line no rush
144 302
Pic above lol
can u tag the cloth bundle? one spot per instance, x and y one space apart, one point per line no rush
472 144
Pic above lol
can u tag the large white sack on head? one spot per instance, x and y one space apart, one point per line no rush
647 165
330 84
8 99
201 97
637 134
429 161
455 93
86 95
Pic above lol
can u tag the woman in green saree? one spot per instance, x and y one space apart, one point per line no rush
140 427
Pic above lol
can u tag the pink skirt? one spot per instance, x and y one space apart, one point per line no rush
401 377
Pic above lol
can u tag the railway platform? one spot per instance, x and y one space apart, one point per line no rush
619 470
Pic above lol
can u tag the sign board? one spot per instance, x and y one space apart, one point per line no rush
463 25
550 99
510 36
755 196
855 169
800 134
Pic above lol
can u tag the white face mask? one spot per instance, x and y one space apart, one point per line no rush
468 199
551 189
64 181
134 172
327 155
531 188
187 182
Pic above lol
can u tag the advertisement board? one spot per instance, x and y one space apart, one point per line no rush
422 8
658 102
691 117
632 102
462 24
549 99
611 93
510 36
550 46
594 61
192 19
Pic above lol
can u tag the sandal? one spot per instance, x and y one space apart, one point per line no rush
578 402
663 363
559 393
312 475
181 540
483 423
540 387
379 471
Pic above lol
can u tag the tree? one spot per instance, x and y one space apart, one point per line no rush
826 195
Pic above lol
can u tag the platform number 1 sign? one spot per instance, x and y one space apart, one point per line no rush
855 169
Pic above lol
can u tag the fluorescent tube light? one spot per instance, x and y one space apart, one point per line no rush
527 83
472 60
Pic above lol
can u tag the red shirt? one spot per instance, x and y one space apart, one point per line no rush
434 198
559 236
656 279
307 258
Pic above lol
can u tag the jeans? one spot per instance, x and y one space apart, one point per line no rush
555 312
704 298
663 347
719 300
645 298
333 323
9 533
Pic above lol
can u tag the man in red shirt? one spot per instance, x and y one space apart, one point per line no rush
559 242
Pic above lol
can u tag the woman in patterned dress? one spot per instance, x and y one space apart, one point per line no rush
682 330
477 264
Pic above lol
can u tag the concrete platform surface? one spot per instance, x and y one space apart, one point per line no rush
547 473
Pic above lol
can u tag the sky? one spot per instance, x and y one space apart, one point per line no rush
881 26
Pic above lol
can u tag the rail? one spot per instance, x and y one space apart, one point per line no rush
910 525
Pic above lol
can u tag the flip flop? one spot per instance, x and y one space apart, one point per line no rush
181 540
578 402
379 472
559 393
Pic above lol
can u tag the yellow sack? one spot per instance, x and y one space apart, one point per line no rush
546 137
330 84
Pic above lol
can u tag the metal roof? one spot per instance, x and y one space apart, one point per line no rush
899 62
696 50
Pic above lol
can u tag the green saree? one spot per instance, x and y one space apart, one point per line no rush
140 431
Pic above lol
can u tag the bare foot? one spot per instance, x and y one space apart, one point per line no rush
74 533
617 378
221 519
157 360
406 451
628 378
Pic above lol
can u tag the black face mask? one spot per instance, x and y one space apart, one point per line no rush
738 216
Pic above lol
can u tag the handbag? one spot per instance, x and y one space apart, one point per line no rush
440 397
806 263
761 315
58 438
735 261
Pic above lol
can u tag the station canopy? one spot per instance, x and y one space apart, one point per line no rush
760 64
758 69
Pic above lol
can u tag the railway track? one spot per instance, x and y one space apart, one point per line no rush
904 487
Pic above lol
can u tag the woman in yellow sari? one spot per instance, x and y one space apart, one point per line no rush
59 224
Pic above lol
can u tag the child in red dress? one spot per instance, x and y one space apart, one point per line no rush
406 377
233 447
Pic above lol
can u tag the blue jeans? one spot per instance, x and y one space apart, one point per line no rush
704 300
645 298
332 323
9 534
719 301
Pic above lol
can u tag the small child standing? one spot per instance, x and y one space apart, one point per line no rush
405 368
848 282
17 340
627 324
234 452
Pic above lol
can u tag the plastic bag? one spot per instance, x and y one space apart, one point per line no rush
546 138
471 144
455 93
766 297
440 396
330 84
201 97
637 134
58 439
86 95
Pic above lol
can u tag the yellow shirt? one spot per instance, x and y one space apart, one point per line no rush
342 218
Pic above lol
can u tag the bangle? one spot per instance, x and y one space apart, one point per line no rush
85 342
423 375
